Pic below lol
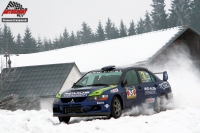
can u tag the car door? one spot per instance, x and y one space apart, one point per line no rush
134 94
148 85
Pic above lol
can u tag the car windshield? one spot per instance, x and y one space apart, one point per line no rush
100 78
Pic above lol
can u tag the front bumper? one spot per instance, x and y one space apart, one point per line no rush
87 108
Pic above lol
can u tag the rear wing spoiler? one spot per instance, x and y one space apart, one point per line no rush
165 75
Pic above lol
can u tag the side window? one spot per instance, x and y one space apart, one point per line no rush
146 77
152 78
131 77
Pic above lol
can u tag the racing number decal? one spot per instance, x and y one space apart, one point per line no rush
131 92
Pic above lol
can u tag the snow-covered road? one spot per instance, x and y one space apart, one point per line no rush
183 119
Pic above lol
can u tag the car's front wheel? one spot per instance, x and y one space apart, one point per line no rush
64 119
116 108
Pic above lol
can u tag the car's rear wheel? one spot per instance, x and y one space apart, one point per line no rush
160 103
64 119
157 105
163 102
116 108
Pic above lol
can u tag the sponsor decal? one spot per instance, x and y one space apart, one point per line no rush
150 100
106 105
131 92
164 85
76 94
14 8
100 91
114 90
100 102
150 90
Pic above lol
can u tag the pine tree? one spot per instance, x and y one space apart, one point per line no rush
1 41
61 41
185 13
55 44
34 46
108 29
114 32
50 44
159 17
8 40
140 27
86 34
78 37
100 36
131 30
173 16
195 14
180 13
72 40
39 44
123 30
46 45
29 43
147 23
11 42
19 44
65 38
4 39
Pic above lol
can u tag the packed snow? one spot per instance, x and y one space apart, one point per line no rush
182 114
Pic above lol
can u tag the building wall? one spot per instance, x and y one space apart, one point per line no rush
73 76
192 40
46 103
187 43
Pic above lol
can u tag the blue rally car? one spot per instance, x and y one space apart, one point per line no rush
109 90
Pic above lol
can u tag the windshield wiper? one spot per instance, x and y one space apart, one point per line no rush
78 86
98 85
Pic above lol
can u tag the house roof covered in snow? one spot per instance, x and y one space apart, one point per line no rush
122 51
42 80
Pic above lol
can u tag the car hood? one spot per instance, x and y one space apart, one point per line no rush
86 91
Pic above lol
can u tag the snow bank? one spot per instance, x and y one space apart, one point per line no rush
184 120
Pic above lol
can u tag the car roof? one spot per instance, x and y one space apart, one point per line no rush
119 68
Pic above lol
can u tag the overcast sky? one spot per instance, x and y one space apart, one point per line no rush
48 18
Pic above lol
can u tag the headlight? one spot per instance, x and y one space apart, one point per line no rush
96 98
56 100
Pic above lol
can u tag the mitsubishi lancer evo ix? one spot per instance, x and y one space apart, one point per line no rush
109 90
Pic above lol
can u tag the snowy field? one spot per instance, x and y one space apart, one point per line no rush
183 114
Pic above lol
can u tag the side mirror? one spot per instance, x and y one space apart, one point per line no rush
124 82
165 76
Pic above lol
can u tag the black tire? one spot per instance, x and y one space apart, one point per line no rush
163 102
157 107
160 103
64 119
116 107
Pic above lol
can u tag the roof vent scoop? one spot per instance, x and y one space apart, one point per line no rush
108 68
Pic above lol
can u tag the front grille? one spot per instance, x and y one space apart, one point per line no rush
73 109
72 100
56 109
